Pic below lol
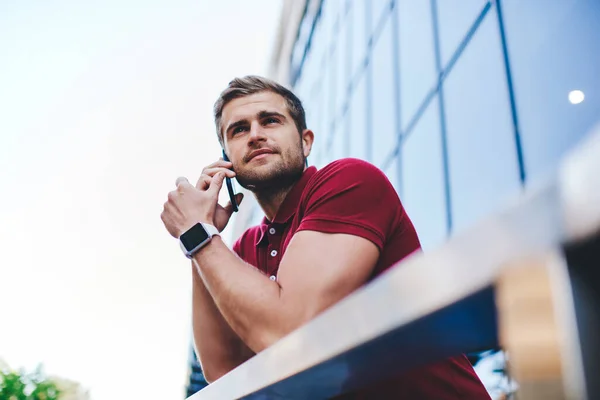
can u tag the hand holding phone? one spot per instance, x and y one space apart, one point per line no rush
230 187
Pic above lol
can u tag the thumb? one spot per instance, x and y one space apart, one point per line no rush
238 199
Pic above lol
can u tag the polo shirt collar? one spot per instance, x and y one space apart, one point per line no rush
290 203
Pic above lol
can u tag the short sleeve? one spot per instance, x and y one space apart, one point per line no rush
354 197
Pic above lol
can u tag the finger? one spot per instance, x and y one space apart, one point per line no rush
218 164
203 182
181 179
183 184
212 171
216 184
238 199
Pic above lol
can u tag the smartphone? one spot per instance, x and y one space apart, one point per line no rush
230 187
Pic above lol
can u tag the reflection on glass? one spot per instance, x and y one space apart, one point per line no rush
576 96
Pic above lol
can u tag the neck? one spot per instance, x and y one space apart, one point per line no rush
270 200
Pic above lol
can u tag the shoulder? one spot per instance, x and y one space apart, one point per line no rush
354 197
349 166
351 173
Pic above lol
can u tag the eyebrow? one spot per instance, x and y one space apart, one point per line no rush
260 115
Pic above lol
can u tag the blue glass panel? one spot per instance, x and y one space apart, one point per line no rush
481 146
383 102
329 13
343 55
417 57
392 173
554 49
339 140
358 120
360 36
423 178
378 9
455 18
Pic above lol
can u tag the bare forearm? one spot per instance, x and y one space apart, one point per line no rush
247 299
218 347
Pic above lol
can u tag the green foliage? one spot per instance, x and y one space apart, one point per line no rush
26 386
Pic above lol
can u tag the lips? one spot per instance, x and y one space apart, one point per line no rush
259 152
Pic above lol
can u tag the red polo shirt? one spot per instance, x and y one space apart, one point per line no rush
354 197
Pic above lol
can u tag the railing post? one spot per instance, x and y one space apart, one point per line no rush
536 322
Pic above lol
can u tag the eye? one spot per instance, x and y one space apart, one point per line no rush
271 120
239 129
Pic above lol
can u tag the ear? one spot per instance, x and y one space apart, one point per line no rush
308 138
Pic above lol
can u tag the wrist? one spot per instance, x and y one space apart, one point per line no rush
197 237
203 252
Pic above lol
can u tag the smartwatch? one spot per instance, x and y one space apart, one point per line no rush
196 237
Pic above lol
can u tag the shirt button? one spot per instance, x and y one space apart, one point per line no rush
272 231
272 277
273 253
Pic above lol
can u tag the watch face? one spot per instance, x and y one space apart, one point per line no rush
193 237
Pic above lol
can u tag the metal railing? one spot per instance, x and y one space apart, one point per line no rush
523 280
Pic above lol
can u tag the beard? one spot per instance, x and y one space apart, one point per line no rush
277 175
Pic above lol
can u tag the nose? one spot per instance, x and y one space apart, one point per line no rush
257 134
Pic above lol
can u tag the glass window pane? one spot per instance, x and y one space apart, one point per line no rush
383 103
322 137
423 178
317 47
329 10
359 34
343 75
339 140
392 173
333 71
358 121
553 53
311 108
481 147
314 123
378 8
305 84
455 18
300 88
417 57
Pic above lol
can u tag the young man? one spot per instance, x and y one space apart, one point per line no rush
324 235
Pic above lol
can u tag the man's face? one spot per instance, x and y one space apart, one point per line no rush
262 141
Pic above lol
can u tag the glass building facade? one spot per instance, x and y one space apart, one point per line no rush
461 103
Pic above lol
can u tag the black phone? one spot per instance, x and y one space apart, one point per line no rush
230 187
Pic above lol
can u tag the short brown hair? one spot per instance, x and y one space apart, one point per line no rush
252 84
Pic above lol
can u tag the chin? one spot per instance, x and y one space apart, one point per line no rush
268 175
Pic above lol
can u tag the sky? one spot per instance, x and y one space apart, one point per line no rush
102 106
